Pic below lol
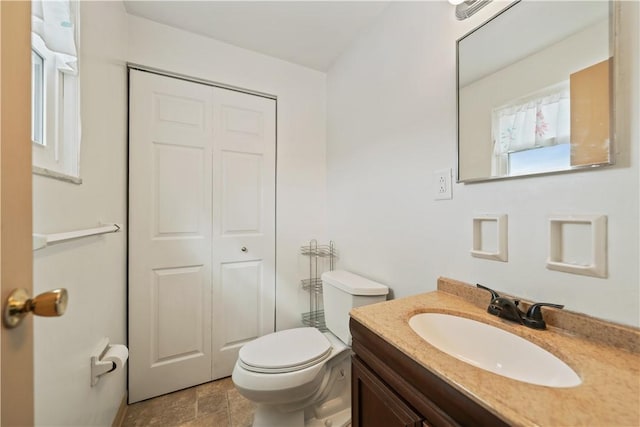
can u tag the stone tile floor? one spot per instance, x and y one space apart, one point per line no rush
214 404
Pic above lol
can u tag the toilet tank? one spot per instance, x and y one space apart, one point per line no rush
343 291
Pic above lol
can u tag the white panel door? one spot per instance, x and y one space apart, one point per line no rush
201 188
170 163
243 223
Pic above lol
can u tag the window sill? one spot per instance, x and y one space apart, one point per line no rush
56 175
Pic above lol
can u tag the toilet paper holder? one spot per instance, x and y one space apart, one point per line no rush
100 367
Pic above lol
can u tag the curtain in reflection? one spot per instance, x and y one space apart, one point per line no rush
539 120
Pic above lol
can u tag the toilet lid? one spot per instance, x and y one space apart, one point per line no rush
285 351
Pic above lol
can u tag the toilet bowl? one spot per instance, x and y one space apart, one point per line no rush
302 377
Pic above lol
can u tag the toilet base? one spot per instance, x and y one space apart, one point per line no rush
332 407
333 410
265 416
339 419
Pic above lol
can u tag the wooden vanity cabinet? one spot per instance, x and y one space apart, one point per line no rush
390 389
375 404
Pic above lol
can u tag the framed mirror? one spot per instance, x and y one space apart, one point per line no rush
535 91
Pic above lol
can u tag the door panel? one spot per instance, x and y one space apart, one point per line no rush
170 152
241 289
202 188
175 110
242 121
178 189
184 339
243 223
241 193
16 256
374 404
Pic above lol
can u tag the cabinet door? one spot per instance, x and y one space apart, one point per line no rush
374 404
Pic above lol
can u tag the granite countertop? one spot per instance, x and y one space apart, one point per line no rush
606 356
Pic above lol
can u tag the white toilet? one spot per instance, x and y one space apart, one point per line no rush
302 377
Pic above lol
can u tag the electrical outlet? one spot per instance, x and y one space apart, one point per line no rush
442 184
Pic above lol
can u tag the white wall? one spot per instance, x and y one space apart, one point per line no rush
301 92
392 122
92 269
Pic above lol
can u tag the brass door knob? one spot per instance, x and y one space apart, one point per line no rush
48 304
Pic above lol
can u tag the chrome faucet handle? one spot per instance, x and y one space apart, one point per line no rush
534 319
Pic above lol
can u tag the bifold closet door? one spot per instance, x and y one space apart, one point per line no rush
244 186
201 188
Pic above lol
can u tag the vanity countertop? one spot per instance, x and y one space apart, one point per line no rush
606 356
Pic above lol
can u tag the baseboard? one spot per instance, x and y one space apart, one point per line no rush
122 412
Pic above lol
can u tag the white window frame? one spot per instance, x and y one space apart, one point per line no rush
37 98
58 154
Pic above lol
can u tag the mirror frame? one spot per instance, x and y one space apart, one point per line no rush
614 20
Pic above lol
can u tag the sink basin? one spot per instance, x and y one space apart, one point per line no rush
493 349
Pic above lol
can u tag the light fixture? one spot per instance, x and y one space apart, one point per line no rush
466 8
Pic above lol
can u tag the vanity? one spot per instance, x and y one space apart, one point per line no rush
399 379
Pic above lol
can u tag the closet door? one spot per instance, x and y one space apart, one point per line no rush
243 223
201 230
170 205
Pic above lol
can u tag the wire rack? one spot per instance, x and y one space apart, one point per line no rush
315 319
313 249
313 284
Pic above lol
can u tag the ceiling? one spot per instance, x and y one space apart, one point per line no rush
309 33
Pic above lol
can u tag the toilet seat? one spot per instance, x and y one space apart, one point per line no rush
285 351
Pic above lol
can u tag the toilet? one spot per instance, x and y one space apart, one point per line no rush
302 377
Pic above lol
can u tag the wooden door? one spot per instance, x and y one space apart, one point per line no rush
202 230
16 391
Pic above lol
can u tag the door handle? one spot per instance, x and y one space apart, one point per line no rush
48 304
244 249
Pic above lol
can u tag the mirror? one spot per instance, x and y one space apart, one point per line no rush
535 91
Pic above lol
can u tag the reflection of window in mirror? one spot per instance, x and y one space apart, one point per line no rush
55 89
543 159
526 132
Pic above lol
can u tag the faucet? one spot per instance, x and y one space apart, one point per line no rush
508 308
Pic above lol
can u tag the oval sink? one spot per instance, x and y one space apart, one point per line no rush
493 349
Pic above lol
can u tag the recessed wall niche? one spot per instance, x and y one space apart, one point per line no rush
490 237
578 244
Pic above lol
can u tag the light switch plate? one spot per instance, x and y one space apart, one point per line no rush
442 184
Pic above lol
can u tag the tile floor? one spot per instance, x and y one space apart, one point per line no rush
214 404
